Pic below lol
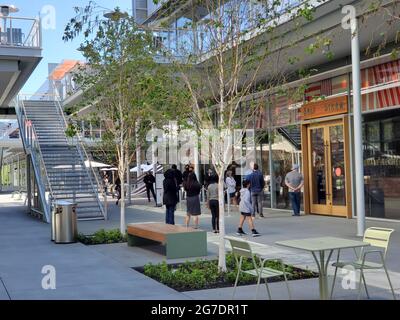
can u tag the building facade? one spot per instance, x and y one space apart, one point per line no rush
316 131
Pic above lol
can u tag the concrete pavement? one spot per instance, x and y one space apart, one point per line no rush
105 271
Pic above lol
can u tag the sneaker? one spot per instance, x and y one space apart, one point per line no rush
261 215
240 232
255 233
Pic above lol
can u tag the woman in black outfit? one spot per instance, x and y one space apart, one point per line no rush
192 188
170 198
118 189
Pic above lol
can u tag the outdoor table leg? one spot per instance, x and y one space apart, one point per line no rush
323 273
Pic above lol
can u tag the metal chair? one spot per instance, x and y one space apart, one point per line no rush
376 237
241 249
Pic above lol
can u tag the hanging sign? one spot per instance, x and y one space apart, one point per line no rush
324 108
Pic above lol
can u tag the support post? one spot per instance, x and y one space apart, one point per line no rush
128 179
29 182
271 171
358 138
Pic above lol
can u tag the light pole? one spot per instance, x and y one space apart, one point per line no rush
350 22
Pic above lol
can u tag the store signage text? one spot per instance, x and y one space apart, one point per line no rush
324 108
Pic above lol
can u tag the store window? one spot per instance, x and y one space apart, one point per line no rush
286 151
382 164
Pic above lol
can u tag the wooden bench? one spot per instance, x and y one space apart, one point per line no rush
179 241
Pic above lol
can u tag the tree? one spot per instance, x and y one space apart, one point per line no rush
121 80
225 51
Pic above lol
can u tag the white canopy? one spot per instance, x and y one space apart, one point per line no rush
143 167
109 169
96 164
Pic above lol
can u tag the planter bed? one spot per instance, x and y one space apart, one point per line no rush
203 274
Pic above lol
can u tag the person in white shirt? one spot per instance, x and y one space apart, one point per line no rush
230 183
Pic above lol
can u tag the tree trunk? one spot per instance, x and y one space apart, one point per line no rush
122 200
221 251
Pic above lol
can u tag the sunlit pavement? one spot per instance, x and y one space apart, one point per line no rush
105 271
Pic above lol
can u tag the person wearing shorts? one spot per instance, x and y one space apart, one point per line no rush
246 210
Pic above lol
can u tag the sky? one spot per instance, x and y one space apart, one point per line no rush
54 48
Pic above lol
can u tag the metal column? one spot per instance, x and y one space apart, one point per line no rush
358 138
28 182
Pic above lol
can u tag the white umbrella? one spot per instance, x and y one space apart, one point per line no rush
109 169
95 164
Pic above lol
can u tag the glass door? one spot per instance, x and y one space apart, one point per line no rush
327 169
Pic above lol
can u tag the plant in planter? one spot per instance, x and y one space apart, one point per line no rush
205 274
102 237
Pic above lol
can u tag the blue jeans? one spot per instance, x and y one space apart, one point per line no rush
295 200
170 215
257 202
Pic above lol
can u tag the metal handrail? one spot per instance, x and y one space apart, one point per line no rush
35 28
21 117
40 153
80 148
31 40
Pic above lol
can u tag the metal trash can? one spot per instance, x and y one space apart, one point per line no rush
64 222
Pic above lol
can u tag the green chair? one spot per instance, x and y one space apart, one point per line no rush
378 238
241 249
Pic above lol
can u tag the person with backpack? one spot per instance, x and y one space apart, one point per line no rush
257 185
193 188
246 210
178 179
170 198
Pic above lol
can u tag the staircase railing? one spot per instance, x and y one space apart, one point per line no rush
31 145
84 155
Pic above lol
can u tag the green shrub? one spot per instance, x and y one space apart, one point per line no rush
102 237
202 274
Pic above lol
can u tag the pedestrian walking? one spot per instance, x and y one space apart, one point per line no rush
246 210
257 185
149 181
278 184
106 182
209 176
170 198
192 187
230 183
118 189
213 202
294 181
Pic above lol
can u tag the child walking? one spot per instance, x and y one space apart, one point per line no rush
246 210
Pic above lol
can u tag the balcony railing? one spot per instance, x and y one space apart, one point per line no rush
20 32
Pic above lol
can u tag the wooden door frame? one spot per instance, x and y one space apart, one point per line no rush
305 161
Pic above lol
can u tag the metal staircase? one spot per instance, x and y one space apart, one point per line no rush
58 162
292 134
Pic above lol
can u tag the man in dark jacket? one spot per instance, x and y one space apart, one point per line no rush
170 198
178 178
149 180
257 185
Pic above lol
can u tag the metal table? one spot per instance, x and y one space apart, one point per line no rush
324 248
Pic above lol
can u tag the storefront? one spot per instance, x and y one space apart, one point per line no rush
324 122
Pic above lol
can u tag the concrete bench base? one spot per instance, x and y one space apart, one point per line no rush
180 242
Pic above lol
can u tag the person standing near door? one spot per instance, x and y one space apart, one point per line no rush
257 185
149 181
294 181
